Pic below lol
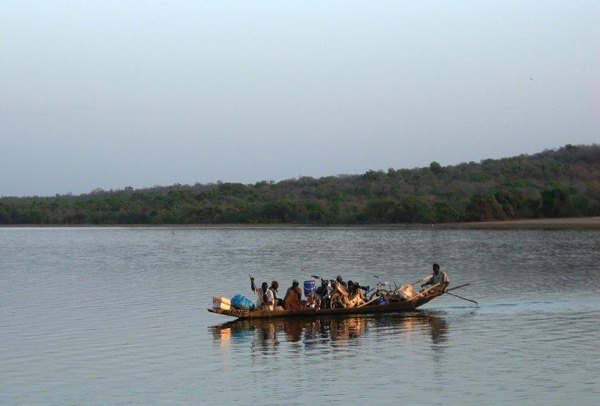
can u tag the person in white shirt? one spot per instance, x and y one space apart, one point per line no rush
437 277
264 295
273 289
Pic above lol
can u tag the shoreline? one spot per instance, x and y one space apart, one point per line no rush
574 223
567 223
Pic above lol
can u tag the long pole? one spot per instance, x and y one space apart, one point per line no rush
463 298
457 287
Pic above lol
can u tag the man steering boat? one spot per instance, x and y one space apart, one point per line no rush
438 277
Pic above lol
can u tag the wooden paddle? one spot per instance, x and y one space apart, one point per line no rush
463 298
458 287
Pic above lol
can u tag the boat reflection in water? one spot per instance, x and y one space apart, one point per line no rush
268 335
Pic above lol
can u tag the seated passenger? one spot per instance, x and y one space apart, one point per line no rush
293 298
357 290
273 288
356 296
340 280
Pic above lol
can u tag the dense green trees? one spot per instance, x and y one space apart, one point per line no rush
563 182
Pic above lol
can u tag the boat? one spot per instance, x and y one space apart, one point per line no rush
416 301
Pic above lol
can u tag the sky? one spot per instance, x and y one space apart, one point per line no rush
109 94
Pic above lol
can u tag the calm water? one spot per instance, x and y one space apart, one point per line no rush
117 316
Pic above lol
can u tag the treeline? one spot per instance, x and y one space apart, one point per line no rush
553 183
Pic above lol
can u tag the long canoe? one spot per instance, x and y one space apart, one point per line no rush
414 302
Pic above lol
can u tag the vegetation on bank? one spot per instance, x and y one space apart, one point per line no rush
553 183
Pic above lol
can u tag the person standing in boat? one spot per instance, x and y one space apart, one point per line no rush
264 296
438 277
293 298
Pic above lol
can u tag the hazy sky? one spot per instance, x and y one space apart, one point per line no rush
109 94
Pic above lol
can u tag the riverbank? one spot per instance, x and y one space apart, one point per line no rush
578 223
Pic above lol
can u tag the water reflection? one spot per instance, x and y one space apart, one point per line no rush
268 335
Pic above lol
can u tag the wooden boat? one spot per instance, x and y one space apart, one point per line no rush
419 299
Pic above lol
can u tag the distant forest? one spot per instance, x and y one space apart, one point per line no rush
553 183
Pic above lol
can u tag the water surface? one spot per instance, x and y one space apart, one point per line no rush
117 316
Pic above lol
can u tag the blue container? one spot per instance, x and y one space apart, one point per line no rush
241 302
309 288
380 300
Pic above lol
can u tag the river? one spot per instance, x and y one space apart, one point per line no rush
115 316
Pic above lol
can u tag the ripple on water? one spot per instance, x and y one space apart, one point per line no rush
116 316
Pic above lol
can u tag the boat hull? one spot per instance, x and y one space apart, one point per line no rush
408 305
